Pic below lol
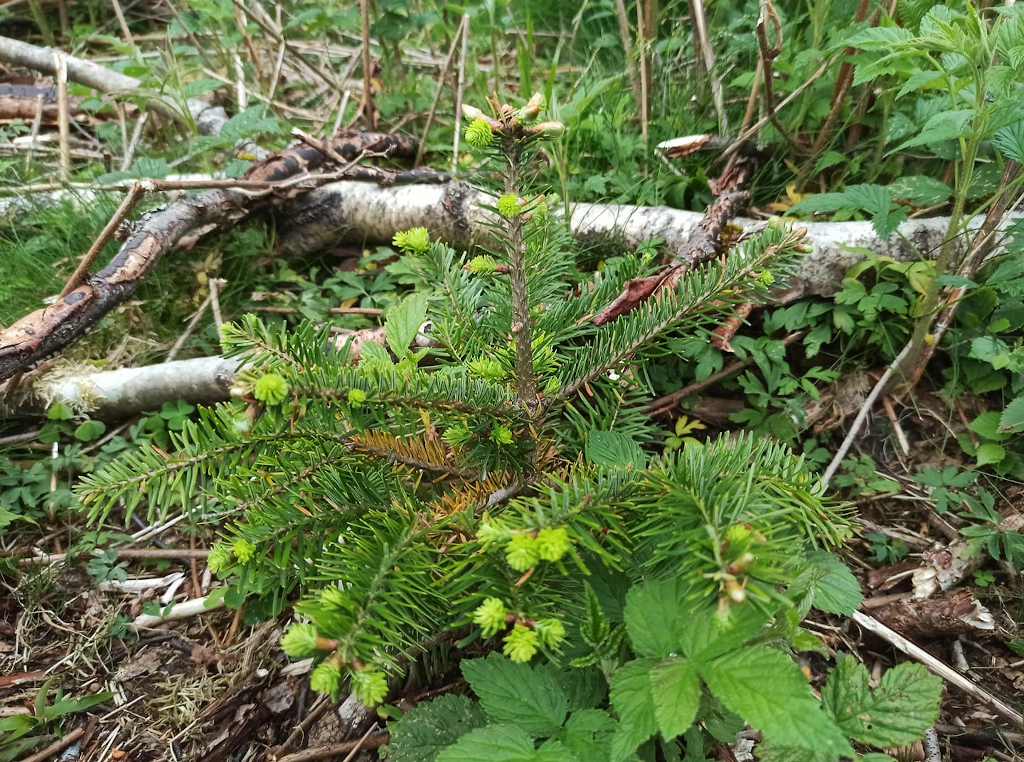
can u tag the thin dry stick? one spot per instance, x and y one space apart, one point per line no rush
666 403
863 414
36 124
189 328
129 151
937 667
645 71
277 71
838 95
126 33
76 279
341 112
769 53
745 134
52 558
752 98
63 118
56 746
241 98
215 284
700 31
367 105
437 95
627 51
461 83
333 750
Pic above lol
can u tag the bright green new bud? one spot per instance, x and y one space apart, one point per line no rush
369 685
493 531
521 552
552 543
243 550
482 265
488 370
326 676
766 278
550 631
490 615
457 436
547 129
300 641
520 644
501 435
479 133
508 205
416 240
356 396
271 389
221 558
532 109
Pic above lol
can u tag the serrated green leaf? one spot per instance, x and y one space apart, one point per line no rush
517 694
990 452
431 727
403 322
1010 140
633 702
835 588
768 690
654 617
1012 418
905 704
945 125
495 743
921 190
612 449
588 734
676 690
371 352
705 635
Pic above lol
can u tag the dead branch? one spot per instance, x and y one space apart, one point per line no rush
179 225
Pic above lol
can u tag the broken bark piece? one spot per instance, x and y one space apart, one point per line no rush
938 617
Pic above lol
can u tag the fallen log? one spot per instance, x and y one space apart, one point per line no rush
358 213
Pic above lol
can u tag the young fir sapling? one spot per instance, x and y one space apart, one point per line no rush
490 484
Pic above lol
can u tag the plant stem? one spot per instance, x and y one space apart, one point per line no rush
526 381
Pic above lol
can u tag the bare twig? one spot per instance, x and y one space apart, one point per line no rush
627 52
192 323
53 748
843 83
666 403
126 33
863 414
437 94
76 279
707 53
460 84
351 748
367 107
36 124
63 117
769 53
215 285
939 668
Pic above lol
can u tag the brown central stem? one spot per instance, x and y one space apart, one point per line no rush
526 381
